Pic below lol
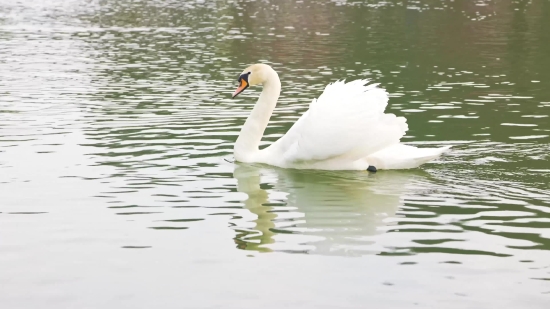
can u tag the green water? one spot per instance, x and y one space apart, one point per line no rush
117 187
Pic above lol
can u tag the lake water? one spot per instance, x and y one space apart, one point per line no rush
117 187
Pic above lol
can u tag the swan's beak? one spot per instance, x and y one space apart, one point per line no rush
242 86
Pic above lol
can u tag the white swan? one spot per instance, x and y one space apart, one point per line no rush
344 129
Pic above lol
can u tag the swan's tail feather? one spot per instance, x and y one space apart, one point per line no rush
402 156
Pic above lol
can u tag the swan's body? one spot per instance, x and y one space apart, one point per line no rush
344 129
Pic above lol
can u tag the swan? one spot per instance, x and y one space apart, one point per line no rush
344 129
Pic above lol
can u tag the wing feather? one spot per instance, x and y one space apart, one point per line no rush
347 120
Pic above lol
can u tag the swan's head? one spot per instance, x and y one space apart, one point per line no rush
255 74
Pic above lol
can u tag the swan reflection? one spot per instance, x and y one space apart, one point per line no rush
317 212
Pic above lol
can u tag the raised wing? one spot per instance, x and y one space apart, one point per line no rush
347 120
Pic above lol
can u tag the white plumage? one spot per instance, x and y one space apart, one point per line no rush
344 129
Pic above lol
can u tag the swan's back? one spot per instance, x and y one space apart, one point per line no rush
345 124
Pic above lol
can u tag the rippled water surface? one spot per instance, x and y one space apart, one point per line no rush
117 187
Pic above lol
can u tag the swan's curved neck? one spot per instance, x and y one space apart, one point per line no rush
246 146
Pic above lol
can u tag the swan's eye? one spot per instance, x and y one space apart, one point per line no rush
244 75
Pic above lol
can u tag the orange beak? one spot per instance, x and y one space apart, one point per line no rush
243 85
